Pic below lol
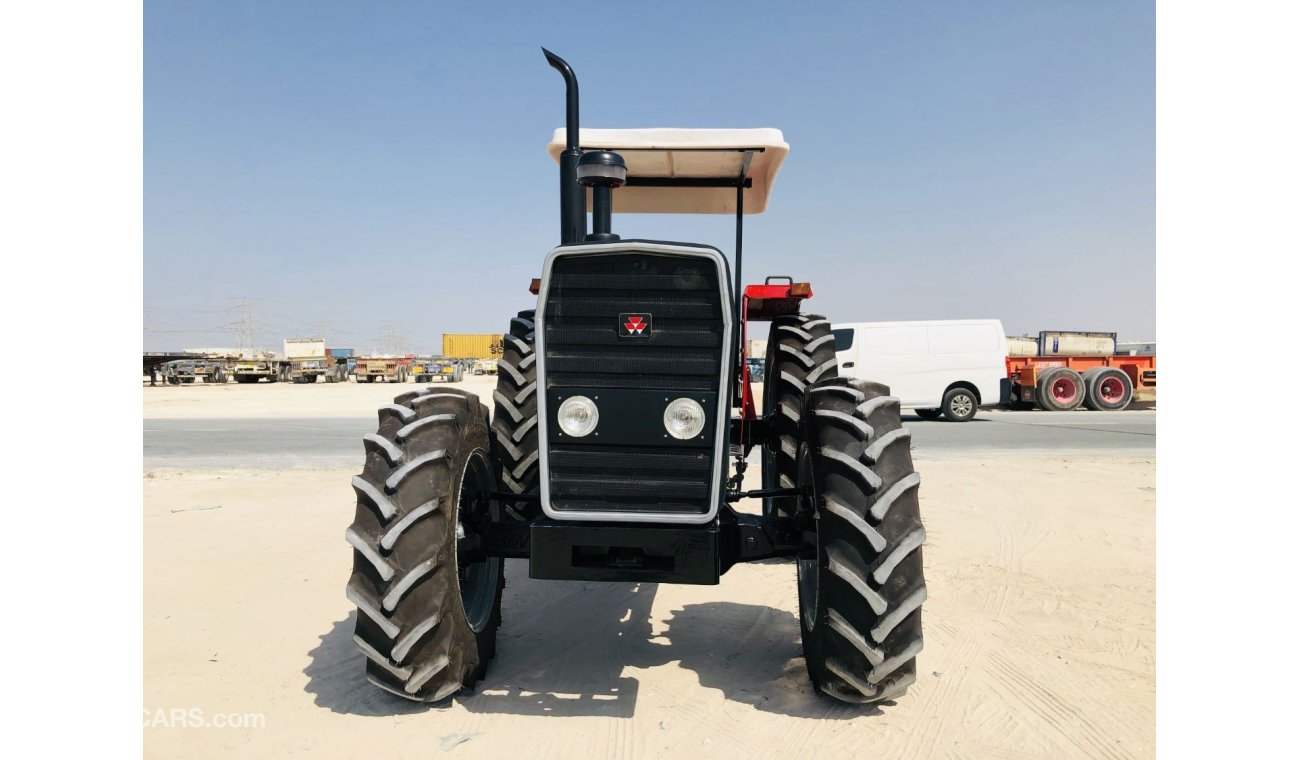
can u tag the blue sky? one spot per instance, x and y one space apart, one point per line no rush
355 165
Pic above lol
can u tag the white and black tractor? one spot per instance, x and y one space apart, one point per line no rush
616 450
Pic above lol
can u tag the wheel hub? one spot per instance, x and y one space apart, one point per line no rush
478 580
808 565
1112 390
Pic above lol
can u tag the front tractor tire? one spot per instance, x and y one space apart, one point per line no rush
800 352
514 422
427 617
861 583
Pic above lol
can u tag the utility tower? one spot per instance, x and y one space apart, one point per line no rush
246 328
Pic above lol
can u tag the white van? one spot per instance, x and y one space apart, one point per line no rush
948 367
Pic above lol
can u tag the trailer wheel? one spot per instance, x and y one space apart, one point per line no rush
861 581
428 609
800 352
1107 389
928 414
959 404
514 421
1060 389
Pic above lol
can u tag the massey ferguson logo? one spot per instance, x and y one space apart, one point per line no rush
635 325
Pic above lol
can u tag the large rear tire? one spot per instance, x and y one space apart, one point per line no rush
1060 389
426 620
800 351
514 422
861 582
1108 389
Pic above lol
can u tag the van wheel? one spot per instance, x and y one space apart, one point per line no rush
928 414
959 405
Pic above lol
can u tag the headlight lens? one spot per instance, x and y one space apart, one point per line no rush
578 416
684 418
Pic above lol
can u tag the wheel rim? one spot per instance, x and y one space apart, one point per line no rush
1111 390
1064 390
808 570
962 405
478 580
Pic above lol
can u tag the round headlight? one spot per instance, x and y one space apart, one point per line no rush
578 416
684 418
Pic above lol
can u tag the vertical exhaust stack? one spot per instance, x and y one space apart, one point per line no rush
603 171
573 197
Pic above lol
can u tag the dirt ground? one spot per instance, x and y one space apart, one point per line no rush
1039 628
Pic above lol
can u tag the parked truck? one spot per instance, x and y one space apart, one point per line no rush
213 371
179 372
251 367
308 361
390 369
427 369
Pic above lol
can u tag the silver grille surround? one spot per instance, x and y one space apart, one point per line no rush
721 429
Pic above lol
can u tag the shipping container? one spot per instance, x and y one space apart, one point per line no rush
1021 345
471 345
1070 343
1136 348
304 348
340 353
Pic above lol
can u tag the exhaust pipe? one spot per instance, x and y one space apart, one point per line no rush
573 197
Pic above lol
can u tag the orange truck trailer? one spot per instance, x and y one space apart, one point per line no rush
1062 383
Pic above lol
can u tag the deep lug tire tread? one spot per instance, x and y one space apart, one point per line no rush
800 352
514 423
866 634
411 625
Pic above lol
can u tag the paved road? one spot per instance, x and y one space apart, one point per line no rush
336 441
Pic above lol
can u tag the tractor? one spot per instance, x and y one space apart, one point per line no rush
624 416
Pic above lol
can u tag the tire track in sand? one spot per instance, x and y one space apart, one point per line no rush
1075 726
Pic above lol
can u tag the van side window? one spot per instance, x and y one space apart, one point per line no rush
843 338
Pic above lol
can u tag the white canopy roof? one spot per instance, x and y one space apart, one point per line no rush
699 154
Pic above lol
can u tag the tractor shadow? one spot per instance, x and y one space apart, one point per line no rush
336 677
564 648
752 654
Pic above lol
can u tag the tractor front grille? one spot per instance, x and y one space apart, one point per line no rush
682 353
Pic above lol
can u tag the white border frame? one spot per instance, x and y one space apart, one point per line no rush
722 431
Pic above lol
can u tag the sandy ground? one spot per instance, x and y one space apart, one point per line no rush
1040 630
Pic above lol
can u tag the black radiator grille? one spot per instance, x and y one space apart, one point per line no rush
630 479
684 352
